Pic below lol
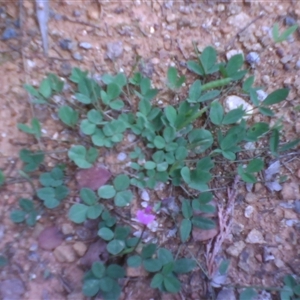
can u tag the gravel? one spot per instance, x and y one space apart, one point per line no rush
9 33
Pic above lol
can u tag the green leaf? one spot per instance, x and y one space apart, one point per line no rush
289 281
205 197
87 127
266 111
289 145
208 60
278 38
94 211
152 265
2 178
121 182
115 247
169 134
98 269
94 116
106 284
296 290
157 281
123 198
172 284
255 165
205 164
83 98
185 174
181 153
106 234
172 77
91 155
210 95
185 230
274 141
91 287
25 128
205 208
33 159
78 154
148 251
200 139
45 88
186 209
159 142
106 192
224 266
17 216
31 218
61 192
116 104
257 130
3 261
247 84
46 193
203 223
216 113
234 64
122 232
165 256
233 116
247 177
113 91
114 294
88 196
134 261
276 97
115 271
31 90
195 67
275 32
149 165
195 91
68 115
77 75
77 213
171 114
184 265
288 32
26 204
248 294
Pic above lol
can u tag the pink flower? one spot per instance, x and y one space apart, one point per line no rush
144 216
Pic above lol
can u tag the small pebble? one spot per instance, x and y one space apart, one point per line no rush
131 137
291 223
253 58
66 44
76 13
261 95
297 206
9 33
289 21
77 56
145 195
185 9
121 156
85 45
297 65
114 50
248 211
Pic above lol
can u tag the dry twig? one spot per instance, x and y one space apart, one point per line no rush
225 216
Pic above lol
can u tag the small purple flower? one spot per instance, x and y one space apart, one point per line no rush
144 216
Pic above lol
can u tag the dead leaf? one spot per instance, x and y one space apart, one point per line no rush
96 252
50 238
93 178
